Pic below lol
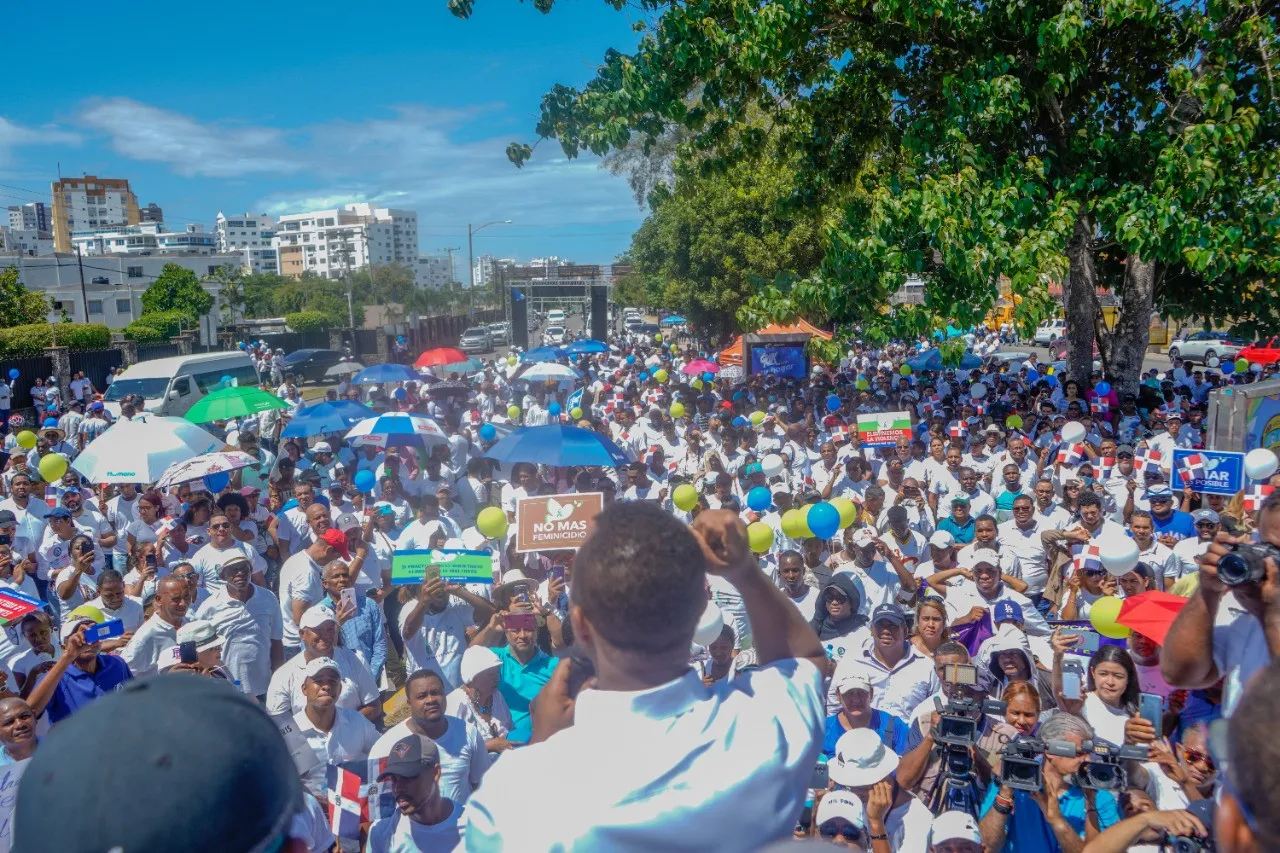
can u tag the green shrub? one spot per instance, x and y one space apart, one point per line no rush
308 321
166 323
35 338
144 334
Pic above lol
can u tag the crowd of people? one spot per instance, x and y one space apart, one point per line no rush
706 670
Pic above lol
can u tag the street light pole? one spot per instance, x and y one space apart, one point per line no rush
471 261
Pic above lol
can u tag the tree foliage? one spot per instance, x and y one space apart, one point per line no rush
309 321
35 338
177 289
18 305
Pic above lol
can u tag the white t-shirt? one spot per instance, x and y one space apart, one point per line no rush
248 628
1108 723
463 758
399 834
284 695
439 645
209 559
299 581
1239 649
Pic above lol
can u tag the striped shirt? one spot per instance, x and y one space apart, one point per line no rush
92 427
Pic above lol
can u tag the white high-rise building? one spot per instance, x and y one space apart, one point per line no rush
32 216
253 236
485 269
328 243
148 238
432 272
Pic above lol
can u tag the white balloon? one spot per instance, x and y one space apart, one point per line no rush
1260 463
978 390
1073 433
1119 555
1214 362
709 626
772 465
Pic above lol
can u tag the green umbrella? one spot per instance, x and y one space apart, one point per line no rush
234 402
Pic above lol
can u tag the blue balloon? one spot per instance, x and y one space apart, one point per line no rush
216 481
759 499
833 405
14 373
643 377
554 410
50 422
487 432
1228 368
1032 376
400 394
708 377
824 520
364 480
631 359
1102 389
1052 380
740 421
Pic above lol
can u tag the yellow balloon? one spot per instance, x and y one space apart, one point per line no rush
757 418
677 410
657 339
795 525
759 537
513 412
52 467
26 439
492 522
660 375
685 497
1102 615
848 511
674 349
696 384
575 413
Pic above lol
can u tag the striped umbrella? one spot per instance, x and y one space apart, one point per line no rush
397 429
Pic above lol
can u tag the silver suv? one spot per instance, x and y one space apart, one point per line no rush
476 340
500 332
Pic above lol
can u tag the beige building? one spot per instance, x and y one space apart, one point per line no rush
81 204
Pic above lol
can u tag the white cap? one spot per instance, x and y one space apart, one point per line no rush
202 633
316 616
942 539
853 681
863 536
472 539
513 576
314 668
841 804
322 447
954 826
861 759
477 659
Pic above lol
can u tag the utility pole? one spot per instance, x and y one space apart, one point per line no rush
471 273
84 294
346 264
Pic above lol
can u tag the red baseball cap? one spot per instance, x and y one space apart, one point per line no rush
338 541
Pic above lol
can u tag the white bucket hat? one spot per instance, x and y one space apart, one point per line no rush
861 759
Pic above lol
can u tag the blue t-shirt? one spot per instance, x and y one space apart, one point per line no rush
519 682
78 688
893 732
963 534
1178 524
1027 830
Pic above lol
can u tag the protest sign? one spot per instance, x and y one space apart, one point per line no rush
1214 472
555 522
455 565
14 605
884 428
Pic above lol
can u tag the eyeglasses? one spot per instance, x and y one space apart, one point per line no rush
1095 573
848 832
1195 756
223 526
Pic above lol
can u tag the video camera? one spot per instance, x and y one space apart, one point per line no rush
1021 767
961 718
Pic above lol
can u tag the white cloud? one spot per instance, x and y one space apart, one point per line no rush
14 135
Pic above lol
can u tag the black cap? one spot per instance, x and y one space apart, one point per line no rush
206 771
888 613
409 756
7 517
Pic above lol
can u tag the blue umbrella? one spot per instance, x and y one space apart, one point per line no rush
932 360
542 354
674 320
388 372
558 445
322 418
396 429
586 347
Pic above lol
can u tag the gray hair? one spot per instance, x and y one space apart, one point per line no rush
873 491
1060 724
333 564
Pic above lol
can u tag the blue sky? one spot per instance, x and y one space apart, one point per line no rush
278 109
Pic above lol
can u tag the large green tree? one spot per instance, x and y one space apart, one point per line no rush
18 305
177 289
1129 144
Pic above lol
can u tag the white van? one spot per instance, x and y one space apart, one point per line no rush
171 386
555 317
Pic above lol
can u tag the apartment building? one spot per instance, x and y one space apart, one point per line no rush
251 235
32 216
328 243
80 204
147 238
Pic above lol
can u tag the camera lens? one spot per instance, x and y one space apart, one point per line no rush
1236 569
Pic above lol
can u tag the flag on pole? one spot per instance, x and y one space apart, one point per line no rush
1254 497
1099 406
1072 454
1148 459
1106 465
1191 468
348 798
958 430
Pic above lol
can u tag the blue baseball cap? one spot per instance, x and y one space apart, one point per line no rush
59 512
1159 490
888 613
1007 611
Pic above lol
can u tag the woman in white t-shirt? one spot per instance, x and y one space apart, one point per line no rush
144 527
478 700
1110 701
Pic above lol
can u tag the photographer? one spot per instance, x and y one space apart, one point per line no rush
1148 827
1060 816
1231 627
1247 753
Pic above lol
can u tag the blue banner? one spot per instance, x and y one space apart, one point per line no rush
786 361
1214 472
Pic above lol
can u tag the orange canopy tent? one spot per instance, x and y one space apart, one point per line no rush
732 354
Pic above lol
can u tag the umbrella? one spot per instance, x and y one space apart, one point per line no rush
450 388
388 372
1151 613
586 347
233 402
344 368
440 357
541 354
471 365
338 416
558 445
202 466
700 366
548 371
674 320
932 360
140 451
396 429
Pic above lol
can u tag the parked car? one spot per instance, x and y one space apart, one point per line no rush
1266 351
476 340
553 336
555 317
1050 330
309 365
1202 346
500 332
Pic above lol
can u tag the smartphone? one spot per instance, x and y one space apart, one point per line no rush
557 572
188 653
151 560
348 598
5 539
516 621
1089 640
104 631
580 669
1151 709
820 777
521 594
1072 679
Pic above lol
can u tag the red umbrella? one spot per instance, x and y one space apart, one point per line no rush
701 366
1151 614
440 357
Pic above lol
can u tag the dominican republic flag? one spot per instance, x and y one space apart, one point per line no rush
1254 497
979 407
1088 558
1106 465
932 404
958 430
839 434
348 794
1099 406
1072 454
1191 467
1147 459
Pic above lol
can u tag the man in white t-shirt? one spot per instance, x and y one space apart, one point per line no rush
434 625
300 582
428 820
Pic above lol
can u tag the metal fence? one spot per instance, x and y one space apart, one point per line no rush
29 369
291 341
95 364
146 352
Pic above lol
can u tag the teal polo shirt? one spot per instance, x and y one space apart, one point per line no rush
1028 831
519 682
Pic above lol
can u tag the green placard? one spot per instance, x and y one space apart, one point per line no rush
409 567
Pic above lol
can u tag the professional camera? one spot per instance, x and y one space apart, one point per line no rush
1187 844
961 719
1246 563
1105 770
1020 763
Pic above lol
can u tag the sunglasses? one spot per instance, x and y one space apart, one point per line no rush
223 526
838 598
849 833
1095 573
1195 756
186 576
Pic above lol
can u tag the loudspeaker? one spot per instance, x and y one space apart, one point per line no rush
519 319
600 312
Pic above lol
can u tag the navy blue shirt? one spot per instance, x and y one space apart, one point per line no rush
893 732
78 688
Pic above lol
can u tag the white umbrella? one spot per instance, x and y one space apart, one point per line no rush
344 368
396 429
202 466
140 451
545 370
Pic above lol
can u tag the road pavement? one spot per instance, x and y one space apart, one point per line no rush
1158 360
